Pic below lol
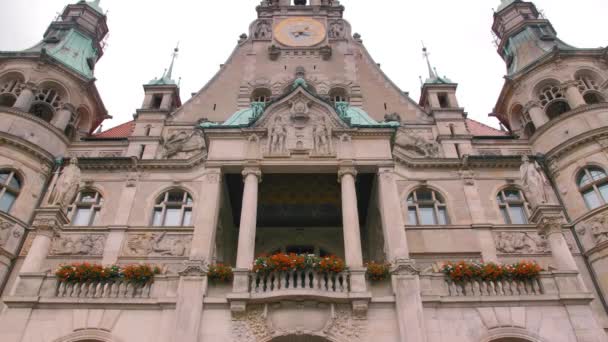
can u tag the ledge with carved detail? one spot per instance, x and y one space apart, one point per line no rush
42 290
555 287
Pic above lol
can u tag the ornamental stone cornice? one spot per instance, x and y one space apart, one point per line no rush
473 161
54 130
582 139
132 163
26 146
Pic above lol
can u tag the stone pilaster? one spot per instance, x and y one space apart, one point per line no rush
408 301
549 219
189 308
393 225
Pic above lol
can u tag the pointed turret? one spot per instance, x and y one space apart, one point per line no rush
523 34
163 93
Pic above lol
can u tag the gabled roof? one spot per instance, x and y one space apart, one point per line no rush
121 131
479 129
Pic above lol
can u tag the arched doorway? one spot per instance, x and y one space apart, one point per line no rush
299 338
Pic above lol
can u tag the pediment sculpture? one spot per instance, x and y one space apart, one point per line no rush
183 144
418 143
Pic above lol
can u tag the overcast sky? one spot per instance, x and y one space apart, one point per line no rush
143 34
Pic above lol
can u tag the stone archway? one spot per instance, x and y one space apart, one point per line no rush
301 338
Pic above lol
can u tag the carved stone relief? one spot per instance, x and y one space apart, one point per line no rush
301 132
597 227
157 245
419 143
335 322
336 30
183 144
110 154
263 30
520 243
78 244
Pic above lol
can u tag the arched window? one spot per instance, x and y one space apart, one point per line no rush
10 89
173 209
521 121
513 207
10 186
426 207
553 101
85 208
588 85
593 185
47 101
261 95
338 95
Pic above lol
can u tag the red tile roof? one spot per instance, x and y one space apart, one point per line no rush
478 129
121 131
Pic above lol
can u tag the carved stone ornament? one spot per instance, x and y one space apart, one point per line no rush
550 225
418 143
277 137
67 185
329 321
404 267
521 243
157 245
263 30
183 144
597 226
194 268
336 30
47 226
81 244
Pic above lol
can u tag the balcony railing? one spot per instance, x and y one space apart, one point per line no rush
102 289
495 288
277 282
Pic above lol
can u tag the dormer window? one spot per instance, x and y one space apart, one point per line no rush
337 95
262 95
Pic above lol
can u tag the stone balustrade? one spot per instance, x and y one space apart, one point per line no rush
495 288
276 282
103 289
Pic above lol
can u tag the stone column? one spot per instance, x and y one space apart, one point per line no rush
63 116
351 229
573 94
537 114
550 220
247 229
26 98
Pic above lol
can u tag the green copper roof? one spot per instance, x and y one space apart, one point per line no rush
357 117
73 51
93 4
167 78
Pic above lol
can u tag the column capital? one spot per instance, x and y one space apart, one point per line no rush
29 86
569 84
48 222
532 104
550 225
347 170
252 170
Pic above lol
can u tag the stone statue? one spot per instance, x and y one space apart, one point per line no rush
277 134
183 142
67 185
321 137
534 182
263 30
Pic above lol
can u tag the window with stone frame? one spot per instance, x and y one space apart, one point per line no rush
47 102
593 185
588 85
513 206
337 95
85 209
553 101
262 95
10 187
173 209
10 89
426 207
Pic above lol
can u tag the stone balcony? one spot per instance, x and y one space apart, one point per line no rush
302 283
37 289
549 287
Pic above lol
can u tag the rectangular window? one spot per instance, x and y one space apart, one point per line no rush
427 216
173 217
6 201
157 100
518 214
157 221
82 217
443 100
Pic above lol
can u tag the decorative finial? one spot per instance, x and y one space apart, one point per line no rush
169 74
426 54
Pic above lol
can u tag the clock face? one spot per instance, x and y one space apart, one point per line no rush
300 32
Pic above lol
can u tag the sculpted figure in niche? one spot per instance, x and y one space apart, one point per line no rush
534 182
5 230
277 134
79 245
67 185
322 137
183 142
263 30
336 30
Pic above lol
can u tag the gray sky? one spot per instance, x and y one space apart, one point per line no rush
143 34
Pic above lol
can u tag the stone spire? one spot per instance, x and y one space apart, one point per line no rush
433 75
167 78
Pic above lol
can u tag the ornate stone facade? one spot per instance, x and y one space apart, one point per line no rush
302 145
